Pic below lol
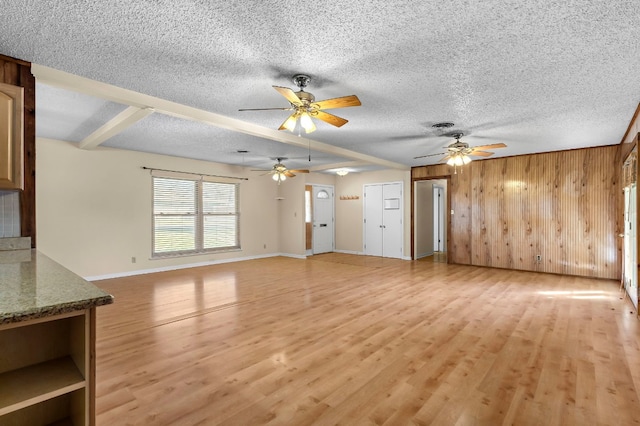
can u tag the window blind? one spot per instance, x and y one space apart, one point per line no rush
194 216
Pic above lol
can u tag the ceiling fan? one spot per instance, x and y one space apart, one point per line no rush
458 153
279 171
304 106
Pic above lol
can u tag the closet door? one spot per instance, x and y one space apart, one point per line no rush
392 220
373 220
383 220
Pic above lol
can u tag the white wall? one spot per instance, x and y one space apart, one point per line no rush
93 209
291 216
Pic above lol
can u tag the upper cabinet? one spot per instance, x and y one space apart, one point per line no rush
11 136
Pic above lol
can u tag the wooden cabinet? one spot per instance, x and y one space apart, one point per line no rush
11 136
47 370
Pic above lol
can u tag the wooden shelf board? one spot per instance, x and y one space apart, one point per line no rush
64 422
36 383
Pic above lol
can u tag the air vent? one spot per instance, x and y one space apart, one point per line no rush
443 125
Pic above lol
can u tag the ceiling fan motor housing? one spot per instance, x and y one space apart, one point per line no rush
306 97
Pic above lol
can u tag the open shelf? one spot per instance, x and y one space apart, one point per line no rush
46 371
37 383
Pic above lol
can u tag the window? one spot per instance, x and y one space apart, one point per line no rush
322 195
194 216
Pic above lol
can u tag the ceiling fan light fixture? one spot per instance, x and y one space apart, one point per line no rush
458 159
306 122
279 177
342 172
290 124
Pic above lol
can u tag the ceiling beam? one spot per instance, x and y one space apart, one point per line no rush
98 89
344 165
117 124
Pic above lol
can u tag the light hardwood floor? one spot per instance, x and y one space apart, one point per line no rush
341 339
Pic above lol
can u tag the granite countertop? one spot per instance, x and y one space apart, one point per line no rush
34 286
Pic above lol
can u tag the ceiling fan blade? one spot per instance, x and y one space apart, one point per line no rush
289 94
265 109
330 118
299 171
481 153
493 146
445 158
342 102
288 173
428 155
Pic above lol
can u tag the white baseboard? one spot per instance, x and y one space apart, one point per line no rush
349 252
295 256
185 266
360 253
208 263
420 256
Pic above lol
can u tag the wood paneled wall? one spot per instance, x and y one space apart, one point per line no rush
564 206
17 72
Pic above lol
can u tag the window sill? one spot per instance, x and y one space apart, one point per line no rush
191 254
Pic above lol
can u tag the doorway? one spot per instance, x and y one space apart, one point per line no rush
430 220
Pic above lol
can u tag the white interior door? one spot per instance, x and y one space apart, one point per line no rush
383 234
323 227
438 219
392 220
630 273
373 220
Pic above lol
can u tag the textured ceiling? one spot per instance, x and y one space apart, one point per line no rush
537 75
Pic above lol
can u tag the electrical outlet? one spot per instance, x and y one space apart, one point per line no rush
265 246
133 259
538 258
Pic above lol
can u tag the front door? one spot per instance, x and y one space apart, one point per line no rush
322 219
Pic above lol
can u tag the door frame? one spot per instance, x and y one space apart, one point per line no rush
631 242
439 219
